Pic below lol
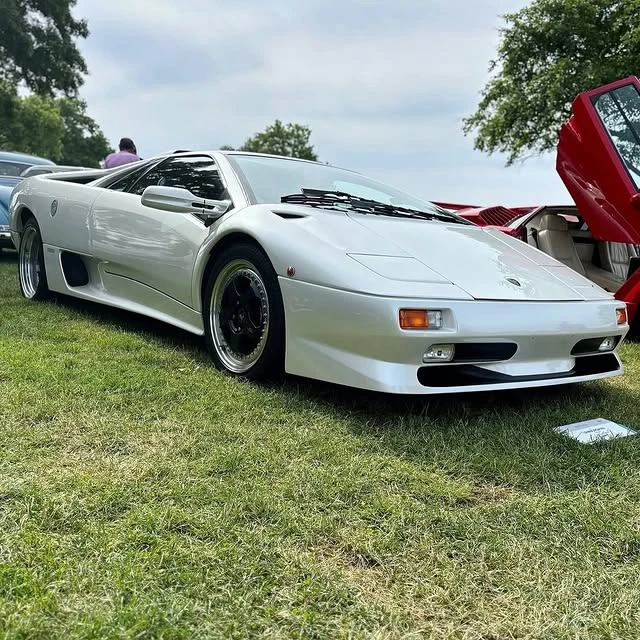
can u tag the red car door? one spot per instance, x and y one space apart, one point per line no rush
598 159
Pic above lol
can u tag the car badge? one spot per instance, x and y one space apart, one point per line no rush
513 281
54 208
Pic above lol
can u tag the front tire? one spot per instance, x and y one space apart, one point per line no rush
31 272
244 314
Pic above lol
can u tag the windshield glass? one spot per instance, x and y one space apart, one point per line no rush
269 179
8 168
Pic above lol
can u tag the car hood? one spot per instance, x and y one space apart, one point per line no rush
486 264
598 159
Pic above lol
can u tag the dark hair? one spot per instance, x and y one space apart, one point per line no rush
126 144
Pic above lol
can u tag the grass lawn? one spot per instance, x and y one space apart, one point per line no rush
145 495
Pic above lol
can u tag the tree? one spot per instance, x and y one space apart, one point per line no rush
38 51
282 140
38 127
83 143
37 45
30 124
548 53
58 129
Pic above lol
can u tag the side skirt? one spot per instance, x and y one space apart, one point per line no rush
122 293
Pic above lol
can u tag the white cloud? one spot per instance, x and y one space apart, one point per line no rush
384 87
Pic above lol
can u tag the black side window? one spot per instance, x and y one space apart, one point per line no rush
124 183
197 174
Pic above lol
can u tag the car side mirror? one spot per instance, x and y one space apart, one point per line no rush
180 200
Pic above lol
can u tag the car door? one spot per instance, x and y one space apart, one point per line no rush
148 246
598 159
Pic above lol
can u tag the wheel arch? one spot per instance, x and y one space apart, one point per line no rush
23 214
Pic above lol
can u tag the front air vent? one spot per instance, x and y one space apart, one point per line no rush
74 269
464 375
484 351
591 345
496 216
289 215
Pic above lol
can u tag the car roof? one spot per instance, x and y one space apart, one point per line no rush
14 156
238 152
233 152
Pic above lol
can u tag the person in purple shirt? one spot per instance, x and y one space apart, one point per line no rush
127 153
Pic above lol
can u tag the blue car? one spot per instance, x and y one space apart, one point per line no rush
12 165
7 183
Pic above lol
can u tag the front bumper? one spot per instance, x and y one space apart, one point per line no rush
355 340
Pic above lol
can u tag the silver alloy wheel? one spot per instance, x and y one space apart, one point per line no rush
239 315
29 267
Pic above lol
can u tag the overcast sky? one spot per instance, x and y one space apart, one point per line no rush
383 86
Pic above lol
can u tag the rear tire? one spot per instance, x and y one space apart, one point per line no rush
244 314
31 272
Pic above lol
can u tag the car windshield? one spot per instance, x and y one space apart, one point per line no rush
270 179
8 168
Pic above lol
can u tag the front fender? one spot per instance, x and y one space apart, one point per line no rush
317 245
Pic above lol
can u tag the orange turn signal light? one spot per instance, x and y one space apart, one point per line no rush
621 315
420 319
414 319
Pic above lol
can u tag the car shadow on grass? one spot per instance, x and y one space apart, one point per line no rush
379 407
8 256
505 437
156 330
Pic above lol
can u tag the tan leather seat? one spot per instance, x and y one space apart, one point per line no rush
555 240
615 257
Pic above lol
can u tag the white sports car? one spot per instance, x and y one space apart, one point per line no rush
284 264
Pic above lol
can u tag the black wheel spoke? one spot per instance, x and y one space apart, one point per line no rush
252 331
236 287
234 340
247 298
225 316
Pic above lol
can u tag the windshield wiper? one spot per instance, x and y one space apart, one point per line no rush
341 201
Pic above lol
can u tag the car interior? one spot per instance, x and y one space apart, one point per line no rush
561 233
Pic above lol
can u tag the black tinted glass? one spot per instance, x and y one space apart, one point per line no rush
199 175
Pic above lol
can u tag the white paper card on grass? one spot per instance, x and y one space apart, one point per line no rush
595 430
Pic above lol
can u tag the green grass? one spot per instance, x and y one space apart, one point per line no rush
145 495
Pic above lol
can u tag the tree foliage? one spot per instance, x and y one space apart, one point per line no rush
38 52
58 129
548 53
37 45
83 143
283 140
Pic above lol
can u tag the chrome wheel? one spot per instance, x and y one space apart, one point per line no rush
239 315
30 261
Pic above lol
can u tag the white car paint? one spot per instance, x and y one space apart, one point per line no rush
353 272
